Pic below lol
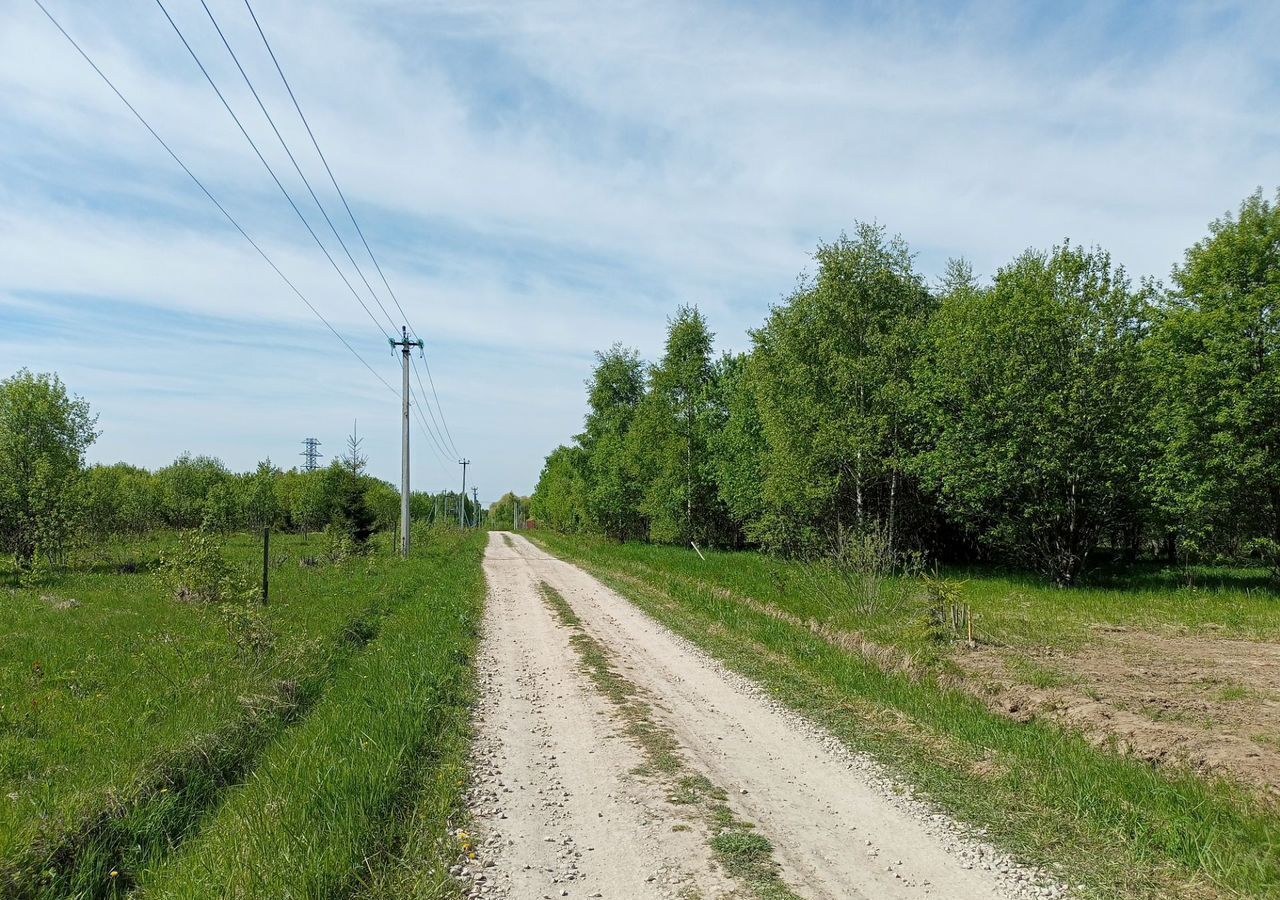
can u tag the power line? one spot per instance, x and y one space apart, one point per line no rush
214 200
436 446
213 84
315 143
333 179
297 168
433 415
310 190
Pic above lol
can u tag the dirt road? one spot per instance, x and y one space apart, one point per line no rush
574 797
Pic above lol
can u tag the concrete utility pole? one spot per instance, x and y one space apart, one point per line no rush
475 503
404 344
515 513
462 499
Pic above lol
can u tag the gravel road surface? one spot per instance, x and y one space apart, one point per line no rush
564 806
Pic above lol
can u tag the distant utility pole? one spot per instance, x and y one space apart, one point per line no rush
405 345
310 454
515 513
475 503
462 500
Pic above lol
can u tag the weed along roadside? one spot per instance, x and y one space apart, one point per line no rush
1110 824
256 745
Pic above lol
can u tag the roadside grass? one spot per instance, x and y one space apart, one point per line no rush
125 715
1009 608
1109 825
744 854
356 798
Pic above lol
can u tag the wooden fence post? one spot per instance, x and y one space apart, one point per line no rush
266 562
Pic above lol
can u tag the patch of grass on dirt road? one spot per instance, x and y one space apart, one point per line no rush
1110 825
745 855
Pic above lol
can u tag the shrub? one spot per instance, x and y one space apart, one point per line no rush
198 572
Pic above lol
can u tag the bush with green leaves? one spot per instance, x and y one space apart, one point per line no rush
44 433
198 571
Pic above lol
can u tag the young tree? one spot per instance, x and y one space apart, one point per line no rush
560 498
259 505
351 512
831 371
502 512
1216 359
184 487
119 499
736 443
44 434
612 492
1034 432
312 501
667 447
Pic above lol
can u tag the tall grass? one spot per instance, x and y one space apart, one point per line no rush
331 806
1111 825
126 714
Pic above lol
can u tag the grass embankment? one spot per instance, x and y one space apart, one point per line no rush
356 796
127 715
1112 826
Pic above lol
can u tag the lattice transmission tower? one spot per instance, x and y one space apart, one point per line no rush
310 454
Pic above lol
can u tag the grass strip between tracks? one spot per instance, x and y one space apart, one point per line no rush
744 854
1110 825
356 798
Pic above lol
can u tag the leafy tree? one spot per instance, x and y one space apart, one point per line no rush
119 499
831 371
1034 432
223 510
560 498
310 502
613 494
667 445
736 442
44 434
384 500
502 512
259 505
184 487
1216 359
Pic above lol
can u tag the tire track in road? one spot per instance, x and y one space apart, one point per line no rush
555 775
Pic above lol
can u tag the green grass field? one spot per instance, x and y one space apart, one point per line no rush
144 744
1113 826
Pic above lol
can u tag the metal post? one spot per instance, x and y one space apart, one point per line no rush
266 562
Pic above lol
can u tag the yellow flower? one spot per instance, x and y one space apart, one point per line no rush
114 873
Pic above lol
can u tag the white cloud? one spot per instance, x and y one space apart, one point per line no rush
541 179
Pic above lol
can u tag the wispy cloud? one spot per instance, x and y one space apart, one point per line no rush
540 179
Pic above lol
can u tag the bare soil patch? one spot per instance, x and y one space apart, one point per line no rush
1195 700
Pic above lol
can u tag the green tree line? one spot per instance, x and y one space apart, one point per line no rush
1054 414
50 499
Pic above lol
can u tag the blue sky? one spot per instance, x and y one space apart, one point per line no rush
541 179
